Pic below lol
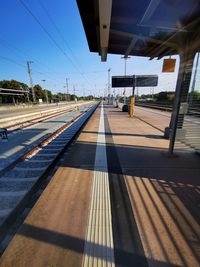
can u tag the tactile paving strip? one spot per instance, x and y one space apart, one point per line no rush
99 249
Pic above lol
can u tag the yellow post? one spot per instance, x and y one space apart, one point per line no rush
132 106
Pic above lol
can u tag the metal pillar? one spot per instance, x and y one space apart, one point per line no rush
182 88
109 93
132 100
125 59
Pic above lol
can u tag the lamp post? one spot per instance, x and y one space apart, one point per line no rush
109 94
125 59
46 94
67 86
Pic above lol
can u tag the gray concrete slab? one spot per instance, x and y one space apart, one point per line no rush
12 111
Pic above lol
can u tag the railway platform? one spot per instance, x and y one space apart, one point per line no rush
117 199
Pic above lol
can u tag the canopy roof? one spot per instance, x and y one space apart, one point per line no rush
151 28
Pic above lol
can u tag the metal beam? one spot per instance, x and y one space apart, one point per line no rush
105 9
13 90
131 46
149 11
144 38
11 94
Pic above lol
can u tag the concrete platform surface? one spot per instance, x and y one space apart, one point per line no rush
21 141
117 200
13 111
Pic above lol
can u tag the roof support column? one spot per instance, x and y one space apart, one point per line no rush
182 88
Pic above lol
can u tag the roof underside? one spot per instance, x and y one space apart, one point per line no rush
152 28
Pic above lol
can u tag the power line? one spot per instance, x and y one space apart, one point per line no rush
23 56
55 26
60 34
74 73
23 66
49 35
12 61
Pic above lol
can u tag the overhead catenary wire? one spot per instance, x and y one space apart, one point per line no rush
12 61
56 27
61 36
19 52
22 56
50 36
21 65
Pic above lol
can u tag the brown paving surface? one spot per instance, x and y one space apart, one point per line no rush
164 192
54 232
135 132
157 118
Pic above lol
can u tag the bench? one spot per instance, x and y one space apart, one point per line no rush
3 134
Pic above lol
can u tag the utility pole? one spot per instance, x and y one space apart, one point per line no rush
74 91
31 80
75 99
125 59
67 86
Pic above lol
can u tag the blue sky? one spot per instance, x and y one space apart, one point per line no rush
22 39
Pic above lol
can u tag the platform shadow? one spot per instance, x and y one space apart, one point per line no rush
77 244
174 181
151 136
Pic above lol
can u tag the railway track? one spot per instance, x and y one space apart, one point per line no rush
195 111
38 119
28 123
19 182
155 106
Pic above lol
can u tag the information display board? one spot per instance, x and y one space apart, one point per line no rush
169 65
146 80
122 81
135 81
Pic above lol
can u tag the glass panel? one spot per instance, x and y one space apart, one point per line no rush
188 128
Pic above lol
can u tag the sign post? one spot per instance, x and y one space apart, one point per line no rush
134 81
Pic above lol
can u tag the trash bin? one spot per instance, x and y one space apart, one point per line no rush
125 108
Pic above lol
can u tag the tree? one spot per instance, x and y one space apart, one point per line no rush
13 84
50 96
39 92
